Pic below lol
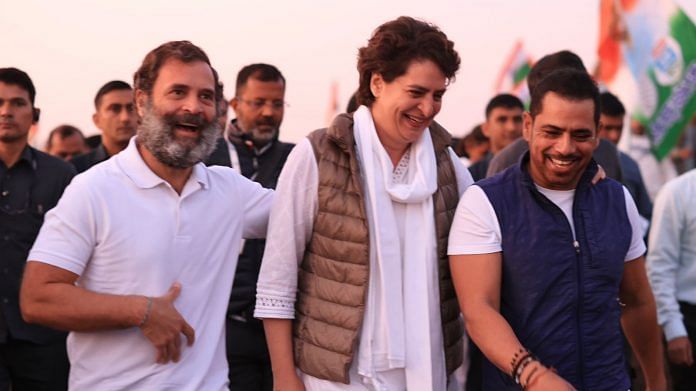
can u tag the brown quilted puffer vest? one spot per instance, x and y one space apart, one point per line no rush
334 273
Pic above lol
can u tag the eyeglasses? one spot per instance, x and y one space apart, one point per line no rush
258 104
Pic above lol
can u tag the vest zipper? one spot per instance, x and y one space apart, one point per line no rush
579 277
581 294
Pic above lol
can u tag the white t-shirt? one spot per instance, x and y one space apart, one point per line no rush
475 229
125 231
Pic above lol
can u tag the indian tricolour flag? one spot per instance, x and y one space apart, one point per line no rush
658 45
513 76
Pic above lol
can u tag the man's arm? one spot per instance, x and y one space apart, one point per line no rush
639 322
49 296
477 280
257 208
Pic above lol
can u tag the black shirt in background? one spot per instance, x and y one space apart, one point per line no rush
28 189
83 162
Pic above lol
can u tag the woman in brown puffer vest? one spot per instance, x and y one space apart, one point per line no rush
356 250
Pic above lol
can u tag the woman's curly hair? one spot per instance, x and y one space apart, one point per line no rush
395 44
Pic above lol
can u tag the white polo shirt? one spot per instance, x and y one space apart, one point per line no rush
125 231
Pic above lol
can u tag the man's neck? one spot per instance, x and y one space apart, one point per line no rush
11 151
176 177
112 147
495 148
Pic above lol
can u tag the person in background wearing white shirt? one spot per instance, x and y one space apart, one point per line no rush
138 258
655 172
672 271
548 266
354 288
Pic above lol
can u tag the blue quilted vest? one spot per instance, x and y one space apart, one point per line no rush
561 295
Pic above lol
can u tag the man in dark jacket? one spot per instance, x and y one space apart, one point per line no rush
549 267
502 127
250 145
115 116
611 125
31 182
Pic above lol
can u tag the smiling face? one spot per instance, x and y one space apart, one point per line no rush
561 139
406 106
179 124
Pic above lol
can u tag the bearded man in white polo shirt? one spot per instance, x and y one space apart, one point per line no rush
138 258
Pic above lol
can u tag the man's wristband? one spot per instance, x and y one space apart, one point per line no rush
147 312
517 359
531 380
517 375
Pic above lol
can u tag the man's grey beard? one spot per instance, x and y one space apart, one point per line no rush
260 138
156 133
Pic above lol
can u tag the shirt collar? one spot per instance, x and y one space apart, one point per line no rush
100 153
200 175
25 158
28 157
132 164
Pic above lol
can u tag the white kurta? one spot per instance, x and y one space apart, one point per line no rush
290 230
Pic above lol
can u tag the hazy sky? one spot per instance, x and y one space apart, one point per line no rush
71 47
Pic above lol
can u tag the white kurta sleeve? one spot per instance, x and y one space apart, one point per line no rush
290 228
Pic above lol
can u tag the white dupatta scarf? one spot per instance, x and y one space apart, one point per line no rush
397 329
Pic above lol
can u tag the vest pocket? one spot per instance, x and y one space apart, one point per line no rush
606 246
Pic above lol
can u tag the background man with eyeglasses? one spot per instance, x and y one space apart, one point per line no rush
250 145
115 116
31 182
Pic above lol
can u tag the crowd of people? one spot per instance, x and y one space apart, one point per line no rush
184 251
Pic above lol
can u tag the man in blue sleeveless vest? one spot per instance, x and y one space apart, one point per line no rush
548 267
